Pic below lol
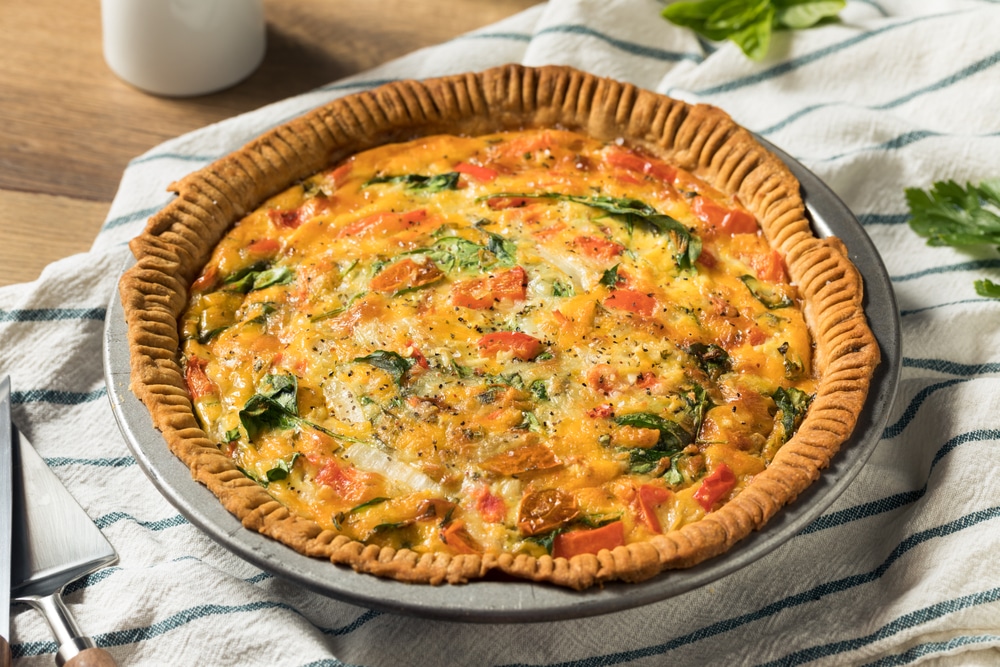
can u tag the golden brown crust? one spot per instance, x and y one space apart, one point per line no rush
177 242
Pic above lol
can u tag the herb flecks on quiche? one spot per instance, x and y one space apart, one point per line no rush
530 343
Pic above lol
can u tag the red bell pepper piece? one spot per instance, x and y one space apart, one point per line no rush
720 482
521 345
588 541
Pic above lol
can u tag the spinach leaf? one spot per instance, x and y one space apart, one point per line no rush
435 183
673 436
630 212
610 277
281 468
711 358
766 294
562 289
274 406
392 363
538 390
258 276
792 405
504 249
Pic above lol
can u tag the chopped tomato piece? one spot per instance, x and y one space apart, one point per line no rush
545 510
484 292
769 266
650 496
642 165
598 248
720 219
720 482
536 456
405 273
588 541
198 383
340 174
707 259
602 411
603 378
207 280
289 218
384 223
632 301
477 172
351 484
491 506
499 203
457 537
413 352
264 247
521 345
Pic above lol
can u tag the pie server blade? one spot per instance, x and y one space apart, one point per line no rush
55 543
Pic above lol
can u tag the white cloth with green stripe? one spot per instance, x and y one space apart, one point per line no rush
899 93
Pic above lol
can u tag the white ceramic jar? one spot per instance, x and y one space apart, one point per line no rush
183 47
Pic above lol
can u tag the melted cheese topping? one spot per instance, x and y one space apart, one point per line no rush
526 342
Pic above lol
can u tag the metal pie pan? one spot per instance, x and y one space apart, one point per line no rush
511 601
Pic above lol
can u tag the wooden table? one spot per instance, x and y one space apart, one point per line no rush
68 126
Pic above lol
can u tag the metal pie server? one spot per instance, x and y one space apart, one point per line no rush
55 543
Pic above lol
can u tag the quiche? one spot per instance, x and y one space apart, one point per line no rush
524 322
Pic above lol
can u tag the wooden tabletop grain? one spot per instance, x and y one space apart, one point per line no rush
68 126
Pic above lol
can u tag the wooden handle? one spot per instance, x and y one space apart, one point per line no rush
5 659
92 657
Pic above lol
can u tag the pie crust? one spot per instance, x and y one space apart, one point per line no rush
178 241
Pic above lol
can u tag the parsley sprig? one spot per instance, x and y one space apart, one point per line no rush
950 215
749 23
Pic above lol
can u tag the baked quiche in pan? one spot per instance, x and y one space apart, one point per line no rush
524 322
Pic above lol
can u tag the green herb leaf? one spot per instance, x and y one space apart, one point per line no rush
539 390
232 435
801 14
630 212
712 359
281 468
987 288
749 23
392 363
436 183
792 405
673 436
504 250
562 289
949 215
274 406
258 276
610 277
766 294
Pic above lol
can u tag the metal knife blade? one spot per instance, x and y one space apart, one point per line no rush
57 544
6 518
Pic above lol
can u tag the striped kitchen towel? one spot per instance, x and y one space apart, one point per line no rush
902 569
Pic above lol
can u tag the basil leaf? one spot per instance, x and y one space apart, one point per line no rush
736 15
755 39
436 183
391 362
800 14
